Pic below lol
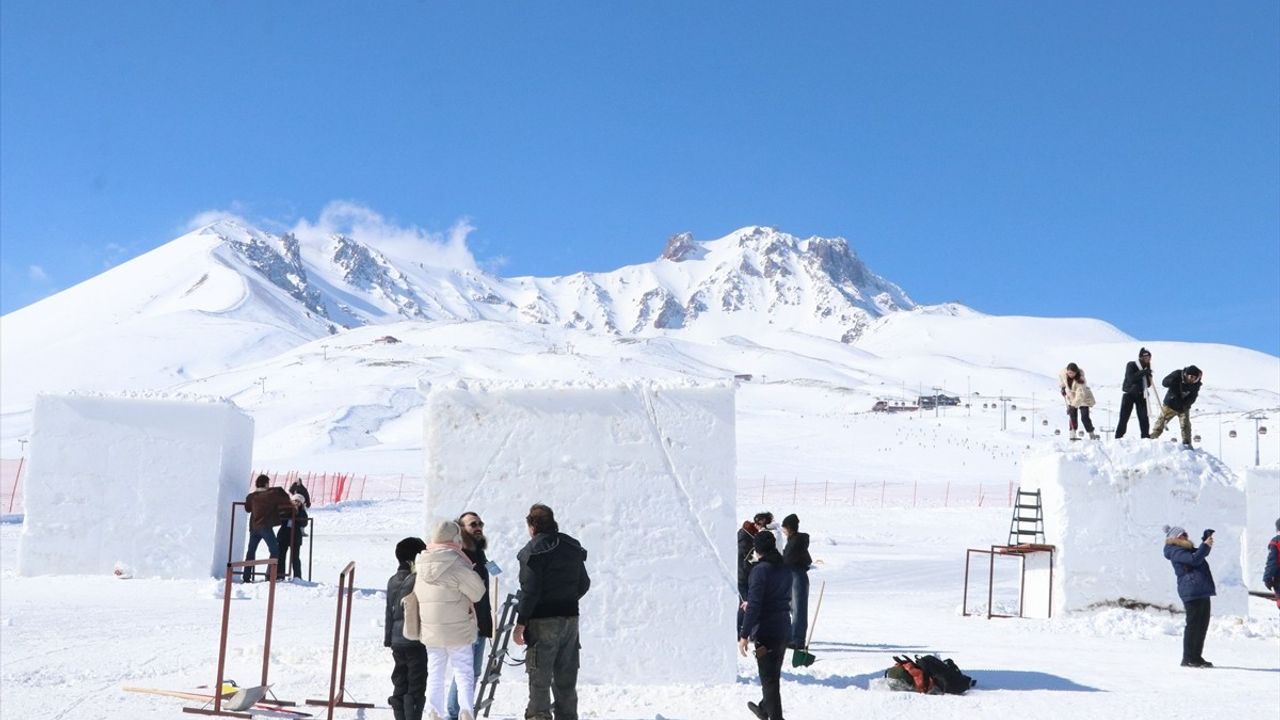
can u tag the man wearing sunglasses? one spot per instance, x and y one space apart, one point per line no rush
474 543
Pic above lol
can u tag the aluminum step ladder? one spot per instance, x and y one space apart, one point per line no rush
1027 526
488 684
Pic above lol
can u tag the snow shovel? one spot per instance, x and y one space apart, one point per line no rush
245 698
802 657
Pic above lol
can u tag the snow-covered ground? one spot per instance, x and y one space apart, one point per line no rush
893 585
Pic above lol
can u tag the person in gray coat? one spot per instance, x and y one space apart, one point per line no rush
409 675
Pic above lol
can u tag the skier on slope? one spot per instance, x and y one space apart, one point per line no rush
1137 378
1184 388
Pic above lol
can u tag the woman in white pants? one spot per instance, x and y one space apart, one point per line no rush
446 588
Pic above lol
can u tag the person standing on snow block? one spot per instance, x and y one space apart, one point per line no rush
409 673
1137 378
795 555
1195 587
746 534
266 505
289 538
768 622
1184 387
1079 398
553 578
474 544
1271 571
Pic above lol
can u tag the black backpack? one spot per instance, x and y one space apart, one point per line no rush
945 675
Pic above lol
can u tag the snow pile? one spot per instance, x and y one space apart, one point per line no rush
145 485
1105 508
1262 492
643 476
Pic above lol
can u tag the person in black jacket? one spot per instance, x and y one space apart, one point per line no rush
409 674
795 555
1137 378
746 534
297 488
267 507
553 577
289 537
768 623
474 544
1184 387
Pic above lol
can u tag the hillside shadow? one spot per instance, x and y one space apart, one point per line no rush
1025 680
838 682
879 648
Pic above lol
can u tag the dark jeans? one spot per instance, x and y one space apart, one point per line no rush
1084 418
289 551
1197 626
742 597
267 535
1128 404
552 664
769 657
409 681
799 606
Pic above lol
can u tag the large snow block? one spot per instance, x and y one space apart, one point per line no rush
143 482
643 476
1105 508
1262 495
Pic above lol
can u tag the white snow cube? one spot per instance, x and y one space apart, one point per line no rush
1262 491
1105 508
643 476
147 484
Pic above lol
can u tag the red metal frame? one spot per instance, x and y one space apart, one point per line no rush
1018 551
222 642
341 634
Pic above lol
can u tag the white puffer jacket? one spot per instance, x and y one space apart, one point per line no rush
1080 395
446 588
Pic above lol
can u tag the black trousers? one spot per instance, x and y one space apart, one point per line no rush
1083 413
289 551
408 681
1128 404
1197 627
769 656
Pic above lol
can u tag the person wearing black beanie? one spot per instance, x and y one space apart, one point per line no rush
1137 378
409 672
1184 388
795 555
767 622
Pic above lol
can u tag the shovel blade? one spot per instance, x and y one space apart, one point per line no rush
245 698
802 658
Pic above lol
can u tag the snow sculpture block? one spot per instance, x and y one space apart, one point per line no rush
1105 507
643 476
143 482
1262 494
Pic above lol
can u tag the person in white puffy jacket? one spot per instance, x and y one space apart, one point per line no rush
447 587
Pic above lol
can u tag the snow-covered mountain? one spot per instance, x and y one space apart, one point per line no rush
293 330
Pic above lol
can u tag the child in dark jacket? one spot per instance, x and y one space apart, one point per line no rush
409 676
767 620
1195 587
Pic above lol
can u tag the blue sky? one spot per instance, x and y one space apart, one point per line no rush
1111 160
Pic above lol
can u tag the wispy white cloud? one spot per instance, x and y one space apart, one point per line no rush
36 273
409 242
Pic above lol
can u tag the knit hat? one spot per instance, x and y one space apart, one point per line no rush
1192 370
408 549
446 532
1144 353
297 499
1173 532
791 522
764 542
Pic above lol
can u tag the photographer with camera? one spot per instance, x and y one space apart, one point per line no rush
1195 587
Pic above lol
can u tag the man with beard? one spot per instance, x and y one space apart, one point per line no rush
1137 378
474 543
